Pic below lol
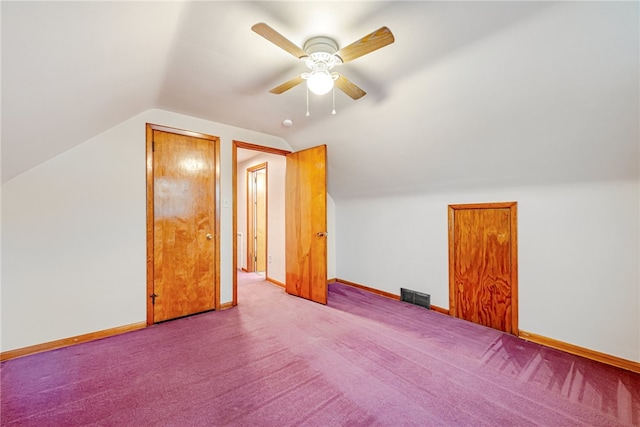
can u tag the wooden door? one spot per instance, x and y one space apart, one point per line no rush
306 224
257 218
483 264
184 229
261 220
251 220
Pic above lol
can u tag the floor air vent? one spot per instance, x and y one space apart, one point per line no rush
417 298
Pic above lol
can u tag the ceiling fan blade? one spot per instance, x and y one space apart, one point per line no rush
374 41
287 85
349 88
278 39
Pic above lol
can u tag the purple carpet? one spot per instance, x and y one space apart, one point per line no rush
278 360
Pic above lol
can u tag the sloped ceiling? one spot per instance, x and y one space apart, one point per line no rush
470 94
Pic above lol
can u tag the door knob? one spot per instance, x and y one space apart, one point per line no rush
322 234
209 236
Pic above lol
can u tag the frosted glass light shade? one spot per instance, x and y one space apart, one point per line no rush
320 82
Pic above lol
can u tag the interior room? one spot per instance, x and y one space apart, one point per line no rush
433 107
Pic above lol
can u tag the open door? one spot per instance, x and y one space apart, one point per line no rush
306 224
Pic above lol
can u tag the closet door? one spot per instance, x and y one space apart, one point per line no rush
483 264
184 225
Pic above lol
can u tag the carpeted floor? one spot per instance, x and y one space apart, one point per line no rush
278 360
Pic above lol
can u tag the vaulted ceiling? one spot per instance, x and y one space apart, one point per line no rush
470 94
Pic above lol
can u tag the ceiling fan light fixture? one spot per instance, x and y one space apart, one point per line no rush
320 82
321 55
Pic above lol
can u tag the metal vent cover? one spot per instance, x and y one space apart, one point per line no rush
416 298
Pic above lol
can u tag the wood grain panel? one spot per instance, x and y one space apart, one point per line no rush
257 231
261 220
287 85
367 44
306 224
251 237
482 277
184 248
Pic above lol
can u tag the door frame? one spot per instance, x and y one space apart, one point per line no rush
234 179
150 214
513 217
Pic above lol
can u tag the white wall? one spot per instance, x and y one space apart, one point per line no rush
275 191
74 240
579 252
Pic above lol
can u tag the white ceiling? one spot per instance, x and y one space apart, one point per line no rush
470 94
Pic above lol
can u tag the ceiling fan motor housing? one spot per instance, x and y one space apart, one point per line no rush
321 51
320 44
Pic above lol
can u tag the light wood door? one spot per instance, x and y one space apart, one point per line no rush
483 264
261 220
257 218
306 224
184 225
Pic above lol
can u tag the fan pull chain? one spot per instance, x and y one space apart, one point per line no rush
307 102
334 101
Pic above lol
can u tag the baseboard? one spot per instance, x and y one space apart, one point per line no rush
226 305
581 351
439 309
368 289
385 294
275 282
66 342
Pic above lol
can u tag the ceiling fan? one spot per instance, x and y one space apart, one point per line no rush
321 55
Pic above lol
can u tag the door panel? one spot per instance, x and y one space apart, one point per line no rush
261 220
251 220
306 224
183 225
482 267
257 218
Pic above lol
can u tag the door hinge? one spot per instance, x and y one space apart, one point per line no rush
153 146
153 298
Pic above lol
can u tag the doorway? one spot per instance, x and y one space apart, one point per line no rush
257 208
483 264
302 248
183 245
246 159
